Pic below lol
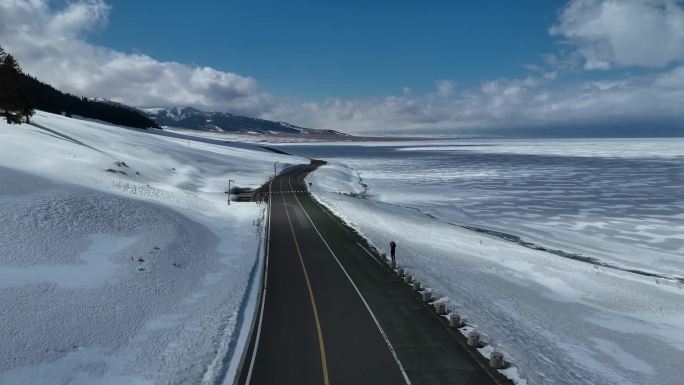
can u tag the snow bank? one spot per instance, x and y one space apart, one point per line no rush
341 180
120 261
562 321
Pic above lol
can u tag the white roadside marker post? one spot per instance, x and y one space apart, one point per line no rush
455 320
474 339
228 192
496 360
427 296
440 308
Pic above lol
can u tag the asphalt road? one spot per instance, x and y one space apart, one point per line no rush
332 314
315 328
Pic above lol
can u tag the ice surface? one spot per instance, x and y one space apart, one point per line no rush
561 320
621 206
120 261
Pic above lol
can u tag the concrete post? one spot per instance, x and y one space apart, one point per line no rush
455 320
440 308
408 279
474 339
496 360
427 296
384 257
416 285
401 272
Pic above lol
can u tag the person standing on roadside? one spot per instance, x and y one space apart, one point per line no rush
393 247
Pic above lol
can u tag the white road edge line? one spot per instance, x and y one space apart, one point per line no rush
469 352
263 293
371 254
382 332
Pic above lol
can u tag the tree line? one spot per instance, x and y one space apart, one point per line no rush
20 94
15 105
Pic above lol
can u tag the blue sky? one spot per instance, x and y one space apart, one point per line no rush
313 49
552 67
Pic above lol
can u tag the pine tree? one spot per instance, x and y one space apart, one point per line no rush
27 110
14 104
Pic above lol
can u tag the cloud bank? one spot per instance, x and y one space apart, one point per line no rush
528 105
50 43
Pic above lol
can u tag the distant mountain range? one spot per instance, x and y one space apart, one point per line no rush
194 119
35 94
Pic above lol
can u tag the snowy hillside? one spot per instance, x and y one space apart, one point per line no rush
120 261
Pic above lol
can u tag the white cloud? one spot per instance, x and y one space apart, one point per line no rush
49 43
445 87
506 106
608 33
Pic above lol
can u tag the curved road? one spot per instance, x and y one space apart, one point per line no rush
314 323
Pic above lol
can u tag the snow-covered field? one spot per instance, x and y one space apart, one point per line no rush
120 261
562 320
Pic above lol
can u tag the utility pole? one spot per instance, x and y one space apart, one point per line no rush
228 192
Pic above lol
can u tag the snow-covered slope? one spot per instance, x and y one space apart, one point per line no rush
120 261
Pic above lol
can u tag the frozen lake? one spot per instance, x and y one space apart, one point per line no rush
569 253
618 201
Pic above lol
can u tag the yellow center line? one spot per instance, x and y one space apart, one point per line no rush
324 362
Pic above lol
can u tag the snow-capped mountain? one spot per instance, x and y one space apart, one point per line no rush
194 119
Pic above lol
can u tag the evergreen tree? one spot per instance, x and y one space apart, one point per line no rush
14 103
27 110
46 98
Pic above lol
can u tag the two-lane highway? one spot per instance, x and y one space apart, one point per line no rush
332 313
313 326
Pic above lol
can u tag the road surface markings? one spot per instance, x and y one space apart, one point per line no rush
324 362
263 292
371 254
377 323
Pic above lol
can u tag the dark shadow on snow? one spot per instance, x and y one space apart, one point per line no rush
61 136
